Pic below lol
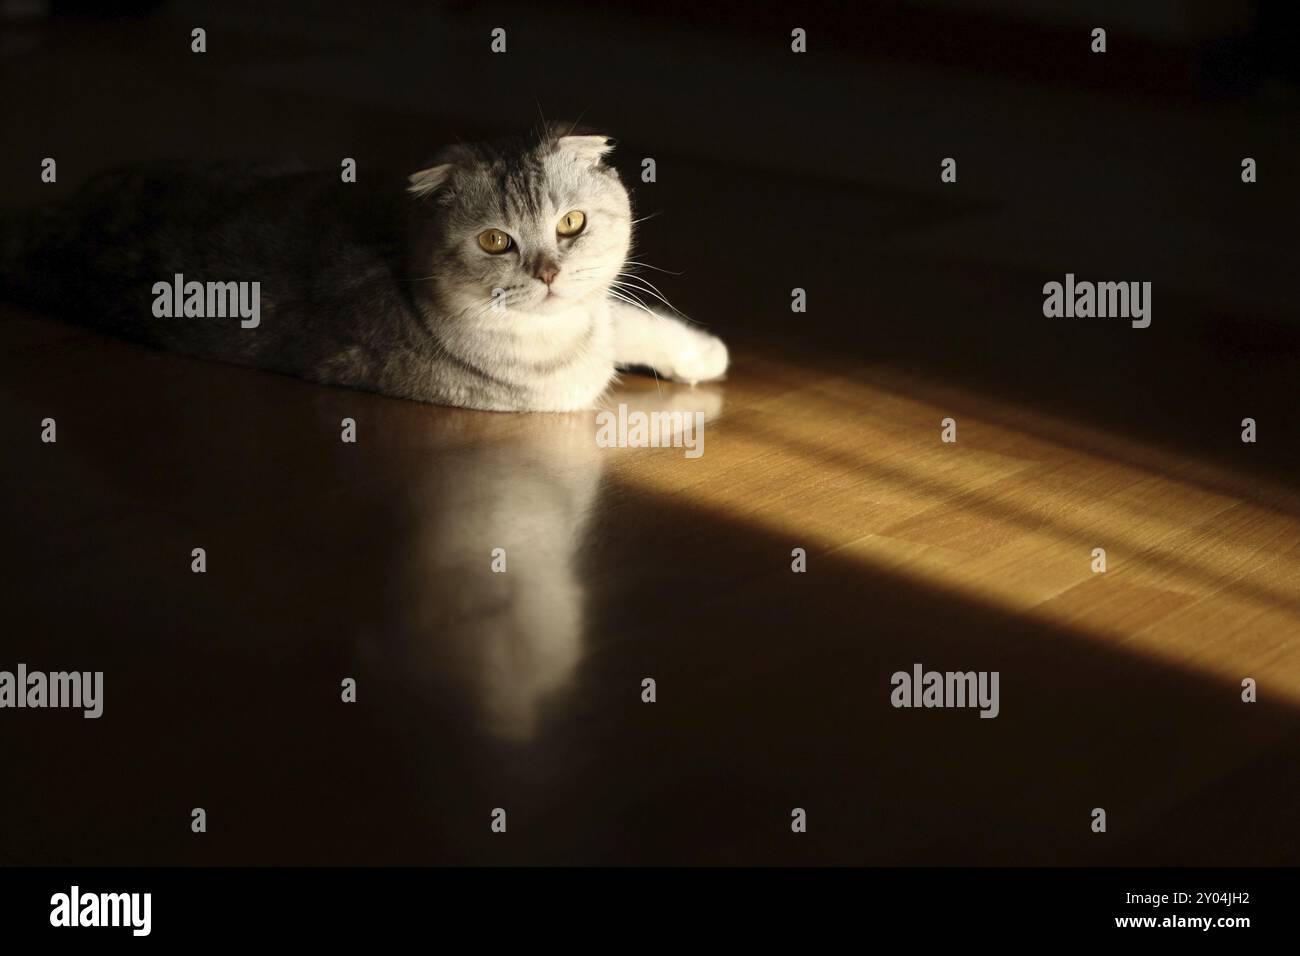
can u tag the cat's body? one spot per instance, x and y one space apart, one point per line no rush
387 286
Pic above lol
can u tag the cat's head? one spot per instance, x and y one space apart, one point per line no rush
537 224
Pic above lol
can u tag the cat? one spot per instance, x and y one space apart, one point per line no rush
491 279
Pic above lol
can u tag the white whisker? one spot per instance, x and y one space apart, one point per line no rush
646 265
628 287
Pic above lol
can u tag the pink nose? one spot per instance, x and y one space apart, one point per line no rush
547 272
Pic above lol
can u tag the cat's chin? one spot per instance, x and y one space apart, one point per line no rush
556 302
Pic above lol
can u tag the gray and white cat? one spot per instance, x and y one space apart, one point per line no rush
489 280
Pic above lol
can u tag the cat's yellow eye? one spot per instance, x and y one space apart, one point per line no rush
494 241
571 223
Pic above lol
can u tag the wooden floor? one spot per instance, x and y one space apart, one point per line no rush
522 690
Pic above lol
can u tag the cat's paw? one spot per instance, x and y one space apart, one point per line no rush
700 358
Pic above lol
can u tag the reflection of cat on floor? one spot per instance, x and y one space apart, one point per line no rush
529 487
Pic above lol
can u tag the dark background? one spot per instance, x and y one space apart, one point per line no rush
818 171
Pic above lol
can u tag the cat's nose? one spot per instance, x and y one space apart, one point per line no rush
546 271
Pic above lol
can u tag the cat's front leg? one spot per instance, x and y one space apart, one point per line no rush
671 347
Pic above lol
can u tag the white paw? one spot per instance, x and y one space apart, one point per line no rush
701 358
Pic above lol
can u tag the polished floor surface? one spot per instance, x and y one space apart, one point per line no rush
523 690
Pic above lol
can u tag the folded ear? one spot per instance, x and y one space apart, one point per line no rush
428 180
589 150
